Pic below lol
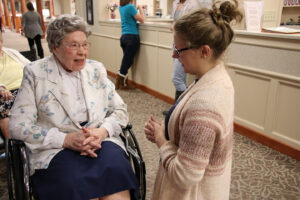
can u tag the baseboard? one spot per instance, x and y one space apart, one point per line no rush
267 141
147 90
240 129
109 73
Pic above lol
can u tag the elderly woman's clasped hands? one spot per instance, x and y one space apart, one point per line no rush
86 141
155 131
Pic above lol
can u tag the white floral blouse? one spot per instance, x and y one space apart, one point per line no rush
43 104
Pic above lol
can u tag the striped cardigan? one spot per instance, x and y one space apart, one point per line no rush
196 162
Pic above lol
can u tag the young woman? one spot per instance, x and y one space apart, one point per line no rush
130 39
195 140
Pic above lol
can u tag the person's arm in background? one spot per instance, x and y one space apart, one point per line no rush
5 94
173 13
192 5
140 16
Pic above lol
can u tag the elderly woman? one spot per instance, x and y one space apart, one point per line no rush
11 74
69 116
195 140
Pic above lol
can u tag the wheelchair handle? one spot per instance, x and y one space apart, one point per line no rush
129 126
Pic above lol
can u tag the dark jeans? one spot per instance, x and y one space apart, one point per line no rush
37 40
130 44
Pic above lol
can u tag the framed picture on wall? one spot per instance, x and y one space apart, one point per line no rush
89 12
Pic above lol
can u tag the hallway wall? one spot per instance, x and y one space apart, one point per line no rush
264 68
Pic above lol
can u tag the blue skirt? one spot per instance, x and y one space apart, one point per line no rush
70 176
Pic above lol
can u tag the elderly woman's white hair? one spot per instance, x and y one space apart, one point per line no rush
63 25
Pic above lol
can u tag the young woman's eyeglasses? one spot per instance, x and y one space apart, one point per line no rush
76 46
178 51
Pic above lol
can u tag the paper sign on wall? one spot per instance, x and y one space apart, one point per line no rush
206 3
253 15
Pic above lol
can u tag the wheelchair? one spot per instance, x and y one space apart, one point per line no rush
18 179
2 142
30 55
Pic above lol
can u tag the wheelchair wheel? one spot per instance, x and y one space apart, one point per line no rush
9 171
18 182
136 159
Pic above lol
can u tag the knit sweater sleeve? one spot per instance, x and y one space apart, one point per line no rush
186 164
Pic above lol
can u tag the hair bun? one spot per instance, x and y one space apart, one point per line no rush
228 11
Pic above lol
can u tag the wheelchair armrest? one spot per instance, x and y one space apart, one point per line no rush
133 149
128 129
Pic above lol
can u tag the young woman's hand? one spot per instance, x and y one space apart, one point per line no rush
155 131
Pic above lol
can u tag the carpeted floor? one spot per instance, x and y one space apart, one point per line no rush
258 173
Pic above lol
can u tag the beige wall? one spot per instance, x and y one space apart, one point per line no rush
153 65
57 7
80 8
62 6
265 69
281 14
270 6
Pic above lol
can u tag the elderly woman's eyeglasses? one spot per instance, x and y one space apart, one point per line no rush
76 46
178 51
